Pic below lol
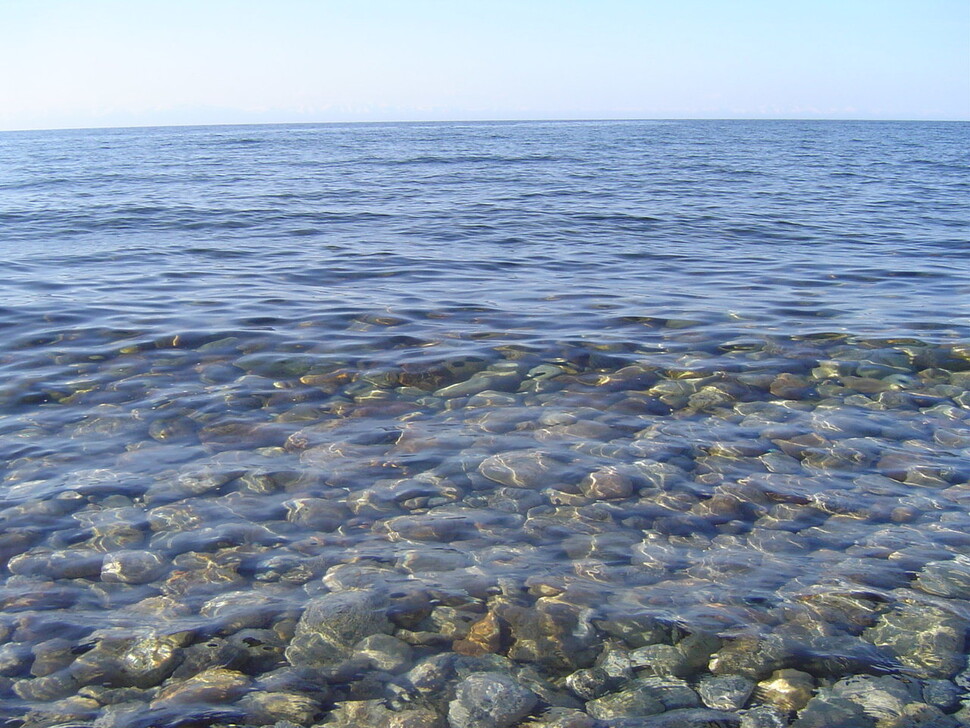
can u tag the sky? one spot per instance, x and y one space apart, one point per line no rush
102 63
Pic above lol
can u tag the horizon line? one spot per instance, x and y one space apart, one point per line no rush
475 121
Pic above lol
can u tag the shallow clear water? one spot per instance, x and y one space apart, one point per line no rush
707 373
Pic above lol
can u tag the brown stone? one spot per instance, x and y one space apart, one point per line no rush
484 637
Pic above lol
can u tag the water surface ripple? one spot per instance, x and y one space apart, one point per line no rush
526 399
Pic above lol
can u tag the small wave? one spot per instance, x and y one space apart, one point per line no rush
470 159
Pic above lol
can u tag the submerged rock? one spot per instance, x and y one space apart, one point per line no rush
683 718
67 564
555 634
518 468
764 716
266 708
69 711
561 718
358 713
132 567
881 697
788 690
333 623
489 700
725 692
946 578
638 700
927 639
385 652
826 711
606 484
215 686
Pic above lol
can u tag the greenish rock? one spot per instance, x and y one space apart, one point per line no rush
788 690
133 567
259 649
364 577
490 398
385 652
546 690
209 653
69 711
633 702
554 634
561 718
674 393
591 683
672 692
921 715
925 638
276 366
117 696
151 658
67 564
547 371
15 657
333 623
764 716
433 559
683 718
205 479
791 386
304 681
635 630
452 623
430 678
606 484
357 713
686 657
242 609
882 697
319 514
725 692
827 712
518 468
750 656
943 694
710 399
48 688
216 686
489 700
946 578
481 382
50 656
697 647
198 574
173 427
266 708
141 658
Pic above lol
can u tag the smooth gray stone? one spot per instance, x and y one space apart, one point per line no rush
682 718
489 700
333 623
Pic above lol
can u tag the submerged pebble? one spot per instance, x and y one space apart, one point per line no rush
489 700
558 539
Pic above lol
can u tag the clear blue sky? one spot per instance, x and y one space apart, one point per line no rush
70 63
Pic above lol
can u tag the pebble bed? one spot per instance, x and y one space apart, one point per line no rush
221 530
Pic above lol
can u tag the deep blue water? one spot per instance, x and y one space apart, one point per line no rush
757 332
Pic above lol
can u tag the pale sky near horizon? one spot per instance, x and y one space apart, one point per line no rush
99 63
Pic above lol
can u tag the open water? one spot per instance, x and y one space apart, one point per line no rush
523 399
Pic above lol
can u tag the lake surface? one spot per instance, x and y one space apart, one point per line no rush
293 417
